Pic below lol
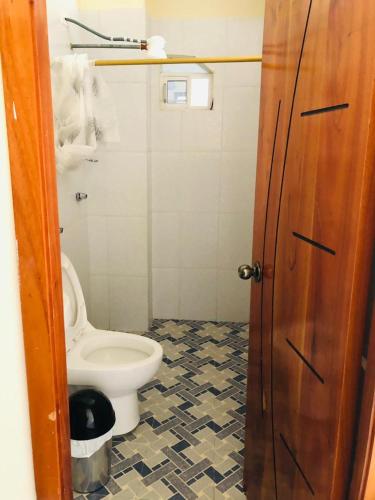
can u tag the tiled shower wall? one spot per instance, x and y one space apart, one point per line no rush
106 237
118 221
199 165
72 215
203 176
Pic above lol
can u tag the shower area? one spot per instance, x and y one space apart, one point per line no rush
166 222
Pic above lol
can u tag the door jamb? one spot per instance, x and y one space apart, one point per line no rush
362 486
25 58
28 105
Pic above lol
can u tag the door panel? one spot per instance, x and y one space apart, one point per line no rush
285 22
312 203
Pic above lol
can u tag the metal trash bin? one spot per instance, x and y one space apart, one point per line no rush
91 422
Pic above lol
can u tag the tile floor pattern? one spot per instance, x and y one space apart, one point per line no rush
190 440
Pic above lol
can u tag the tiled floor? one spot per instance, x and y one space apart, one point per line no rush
190 441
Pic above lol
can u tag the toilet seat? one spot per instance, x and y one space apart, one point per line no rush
75 314
96 340
116 363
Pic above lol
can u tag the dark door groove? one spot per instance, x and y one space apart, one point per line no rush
307 363
315 244
327 109
292 456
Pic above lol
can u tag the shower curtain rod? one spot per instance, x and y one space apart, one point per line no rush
175 60
141 44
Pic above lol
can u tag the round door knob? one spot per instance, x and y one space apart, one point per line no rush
245 272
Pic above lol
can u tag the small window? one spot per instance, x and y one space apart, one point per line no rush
177 92
200 92
190 89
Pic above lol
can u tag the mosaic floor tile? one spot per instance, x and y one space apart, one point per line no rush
189 443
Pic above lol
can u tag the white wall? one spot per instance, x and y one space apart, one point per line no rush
16 465
178 189
118 190
106 236
203 175
72 215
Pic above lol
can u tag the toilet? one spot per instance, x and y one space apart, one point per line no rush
116 363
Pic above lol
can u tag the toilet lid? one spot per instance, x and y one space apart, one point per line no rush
75 315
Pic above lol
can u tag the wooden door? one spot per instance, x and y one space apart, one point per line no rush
27 93
314 232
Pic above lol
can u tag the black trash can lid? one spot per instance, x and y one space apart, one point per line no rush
91 415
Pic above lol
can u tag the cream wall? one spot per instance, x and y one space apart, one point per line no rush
109 4
205 9
183 9
16 465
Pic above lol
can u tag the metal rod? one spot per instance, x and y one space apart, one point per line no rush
105 46
176 60
100 35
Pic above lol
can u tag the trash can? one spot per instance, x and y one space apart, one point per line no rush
91 422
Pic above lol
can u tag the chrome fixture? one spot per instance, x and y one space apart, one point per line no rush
81 196
245 272
131 43
154 45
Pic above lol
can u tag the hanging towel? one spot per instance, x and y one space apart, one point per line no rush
84 114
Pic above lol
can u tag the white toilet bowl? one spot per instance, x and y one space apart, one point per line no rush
116 363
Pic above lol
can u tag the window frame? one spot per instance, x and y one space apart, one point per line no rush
188 77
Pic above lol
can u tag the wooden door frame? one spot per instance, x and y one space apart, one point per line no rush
25 63
28 105
362 485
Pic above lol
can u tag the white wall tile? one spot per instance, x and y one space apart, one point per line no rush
199 237
120 74
97 175
154 78
243 74
118 184
205 37
74 243
171 30
240 118
215 154
126 183
89 17
233 297
166 181
69 184
165 240
131 104
60 34
127 22
235 236
166 131
99 302
127 246
165 293
200 178
238 172
98 244
128 303
198 294
166 125
201 130
245 35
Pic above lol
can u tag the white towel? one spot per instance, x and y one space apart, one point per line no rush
83 112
